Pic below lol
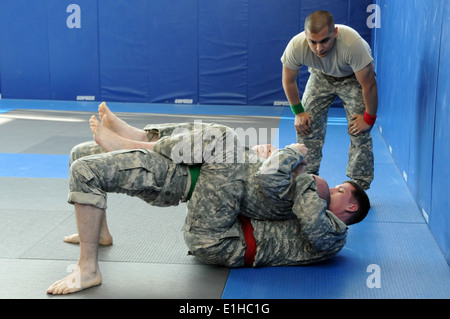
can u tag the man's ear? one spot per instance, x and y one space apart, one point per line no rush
352 207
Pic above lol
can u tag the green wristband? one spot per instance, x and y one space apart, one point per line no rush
297 108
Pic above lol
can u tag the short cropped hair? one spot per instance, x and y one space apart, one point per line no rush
316 21
363 204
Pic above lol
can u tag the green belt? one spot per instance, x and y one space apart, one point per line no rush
194 171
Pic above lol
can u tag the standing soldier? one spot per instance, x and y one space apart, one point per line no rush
340 64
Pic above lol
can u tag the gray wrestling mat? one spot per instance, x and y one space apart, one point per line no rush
28 279
148 258
35 217
141 233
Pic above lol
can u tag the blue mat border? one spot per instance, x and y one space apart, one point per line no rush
7 105
34 165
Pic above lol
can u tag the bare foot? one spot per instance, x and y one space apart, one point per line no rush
111 121
111 141
78 280
106 240
119 126
104 137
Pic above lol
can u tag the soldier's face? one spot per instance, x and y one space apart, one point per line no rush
321 43
342 201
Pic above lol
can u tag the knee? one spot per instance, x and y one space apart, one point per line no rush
84 188
74 154
78 151
363 139
79 173
82 150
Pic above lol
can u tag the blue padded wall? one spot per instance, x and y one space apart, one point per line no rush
222 51
24 49
182 51
123 50
264 52
413 86
173 50
72 53
440 219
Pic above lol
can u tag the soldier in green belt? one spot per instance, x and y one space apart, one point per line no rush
214 232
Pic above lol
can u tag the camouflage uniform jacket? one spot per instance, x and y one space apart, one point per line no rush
269 187
315 234
291 223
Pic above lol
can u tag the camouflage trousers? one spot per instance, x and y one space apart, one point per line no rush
138 173
321 90
212 230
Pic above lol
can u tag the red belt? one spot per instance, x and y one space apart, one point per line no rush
250 252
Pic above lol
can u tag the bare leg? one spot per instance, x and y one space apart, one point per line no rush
104 240
87 274
115 134
110 140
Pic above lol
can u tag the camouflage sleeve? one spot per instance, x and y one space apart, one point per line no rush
275 179
321 228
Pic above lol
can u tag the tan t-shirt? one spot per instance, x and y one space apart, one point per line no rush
350 54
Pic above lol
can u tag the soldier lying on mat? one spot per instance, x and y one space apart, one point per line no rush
239 212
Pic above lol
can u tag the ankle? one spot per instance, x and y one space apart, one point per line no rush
88 269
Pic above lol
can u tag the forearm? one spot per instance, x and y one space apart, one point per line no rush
292 93
368 82
320 227
274 177
370 96
281 162
289 81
